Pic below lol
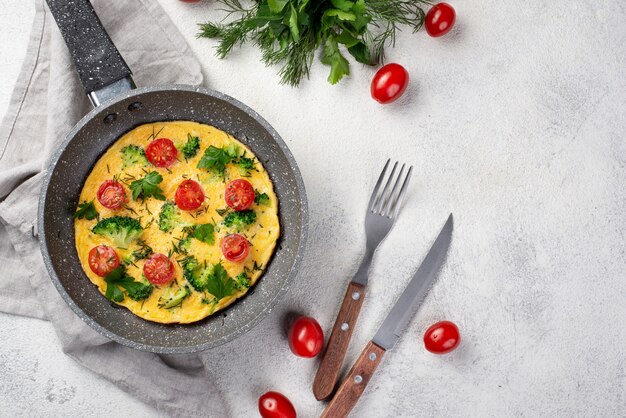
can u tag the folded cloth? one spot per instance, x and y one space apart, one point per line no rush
47 101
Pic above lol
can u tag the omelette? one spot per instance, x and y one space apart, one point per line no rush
176 221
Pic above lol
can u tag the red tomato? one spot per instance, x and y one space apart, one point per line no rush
306 337
103 260
111 194
439 19
161 152
189 195
235 247
442 337
276 405
389 83
158 269
239 194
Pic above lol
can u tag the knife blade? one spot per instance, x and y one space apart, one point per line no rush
398 318
413 295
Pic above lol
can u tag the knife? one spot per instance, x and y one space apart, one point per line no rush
389 332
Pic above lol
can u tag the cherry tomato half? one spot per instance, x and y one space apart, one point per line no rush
442 337
189 195
439 19
306 337
276 405
103 260
111 194
158 269
389 83
235 247
239 194
161 152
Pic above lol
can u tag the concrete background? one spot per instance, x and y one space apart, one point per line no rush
515 122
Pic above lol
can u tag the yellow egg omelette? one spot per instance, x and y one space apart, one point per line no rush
176 221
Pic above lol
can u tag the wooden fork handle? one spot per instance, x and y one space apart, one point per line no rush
354 385
337 345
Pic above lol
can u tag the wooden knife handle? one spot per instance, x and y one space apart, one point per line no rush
337 345
353 386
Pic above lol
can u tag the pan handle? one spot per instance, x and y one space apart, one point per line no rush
102 70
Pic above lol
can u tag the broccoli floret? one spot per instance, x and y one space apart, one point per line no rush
196 275
133 155
191 147
242 281
122 230
172 298
211 278
170 218
139 290
240 220
184 245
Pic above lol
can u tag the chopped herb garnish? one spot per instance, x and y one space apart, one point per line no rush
86 210
204 233
148 187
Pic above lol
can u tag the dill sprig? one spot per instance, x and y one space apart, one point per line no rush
289 32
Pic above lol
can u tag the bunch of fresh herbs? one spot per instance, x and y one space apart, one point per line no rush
289 32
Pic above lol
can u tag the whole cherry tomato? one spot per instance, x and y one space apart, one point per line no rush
111 194
103 260
306 337
439 19
189 195
389 83
159 269
239 194
161 152
276 405
442 337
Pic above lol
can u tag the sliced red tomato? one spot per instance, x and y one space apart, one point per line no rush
111 194
158 269
442 337
235 247
306 337
161 152
239 194
276 405
189 195
103 260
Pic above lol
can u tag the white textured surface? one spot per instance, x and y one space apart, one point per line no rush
515 122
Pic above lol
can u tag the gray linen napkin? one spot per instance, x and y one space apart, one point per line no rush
47 101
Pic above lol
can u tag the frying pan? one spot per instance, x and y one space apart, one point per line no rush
118 108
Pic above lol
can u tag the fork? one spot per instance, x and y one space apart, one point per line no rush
382 212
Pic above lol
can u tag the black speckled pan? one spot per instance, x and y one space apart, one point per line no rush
122 109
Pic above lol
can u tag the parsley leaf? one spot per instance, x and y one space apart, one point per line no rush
215 159
148 187
86 210
118 278
339 66
204 233
220 284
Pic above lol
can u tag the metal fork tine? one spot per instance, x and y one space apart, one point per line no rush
380 201
398 202
386 210
370 205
